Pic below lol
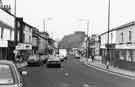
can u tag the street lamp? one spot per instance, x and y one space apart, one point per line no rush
45 28
87 41
45 23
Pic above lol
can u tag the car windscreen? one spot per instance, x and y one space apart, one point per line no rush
6 75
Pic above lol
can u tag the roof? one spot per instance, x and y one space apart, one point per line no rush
120 27
2 24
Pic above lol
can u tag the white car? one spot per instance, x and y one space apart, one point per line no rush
77 56
34 59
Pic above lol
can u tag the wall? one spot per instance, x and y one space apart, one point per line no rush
6 26
112 38
27 34
126 34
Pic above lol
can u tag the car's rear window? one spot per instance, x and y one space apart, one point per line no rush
6 76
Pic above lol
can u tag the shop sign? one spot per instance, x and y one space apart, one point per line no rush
125 46
22 46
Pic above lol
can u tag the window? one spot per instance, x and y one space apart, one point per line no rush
130 36
122 39
10 34
111 37
18 36
29 39
2 30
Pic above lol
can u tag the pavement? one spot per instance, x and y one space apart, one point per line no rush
99 65
73 73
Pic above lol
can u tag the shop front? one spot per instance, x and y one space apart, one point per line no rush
3 49
23 51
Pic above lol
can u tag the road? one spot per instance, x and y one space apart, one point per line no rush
73 74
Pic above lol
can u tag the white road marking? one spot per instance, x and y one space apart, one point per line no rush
124 76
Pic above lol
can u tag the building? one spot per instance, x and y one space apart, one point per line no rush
7 31
23 38
121 44
43 43
35 40
126 42
94 45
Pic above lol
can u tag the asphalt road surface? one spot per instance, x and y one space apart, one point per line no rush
73 74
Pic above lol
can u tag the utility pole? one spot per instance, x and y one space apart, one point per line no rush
15 30
15 25
108 53
44 25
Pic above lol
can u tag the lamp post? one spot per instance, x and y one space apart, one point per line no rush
15 25
87 41
15 31
45 29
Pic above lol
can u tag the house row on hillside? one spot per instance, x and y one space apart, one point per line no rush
16 34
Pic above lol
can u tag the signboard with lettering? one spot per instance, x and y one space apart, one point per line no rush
22 46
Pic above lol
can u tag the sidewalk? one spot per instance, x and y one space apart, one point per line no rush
100 65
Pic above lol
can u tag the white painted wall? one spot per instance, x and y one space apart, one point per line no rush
126 34
28 34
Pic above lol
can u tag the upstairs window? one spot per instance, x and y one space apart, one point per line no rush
121 35
130 36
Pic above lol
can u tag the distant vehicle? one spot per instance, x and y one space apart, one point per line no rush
34 59
53 61
77 56
62 54
9 75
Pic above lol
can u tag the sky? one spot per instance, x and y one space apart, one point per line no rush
62 17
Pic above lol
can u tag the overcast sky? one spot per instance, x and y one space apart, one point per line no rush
65 14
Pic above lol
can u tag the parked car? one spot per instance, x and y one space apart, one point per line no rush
53 61
62 58
34 60
44 58
77 56
9 75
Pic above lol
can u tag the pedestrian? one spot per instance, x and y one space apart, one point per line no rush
92 57
107 65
